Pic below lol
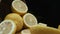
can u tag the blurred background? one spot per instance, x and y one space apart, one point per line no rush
44 10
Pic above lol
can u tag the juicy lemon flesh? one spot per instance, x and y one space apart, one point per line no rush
19 6
5 28
30 20
26 31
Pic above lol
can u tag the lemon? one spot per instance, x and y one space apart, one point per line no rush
29 20
19 7
59 27
18 32
42 24
17 19
25 31
37 29
7 27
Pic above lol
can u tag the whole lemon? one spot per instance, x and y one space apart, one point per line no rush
17 19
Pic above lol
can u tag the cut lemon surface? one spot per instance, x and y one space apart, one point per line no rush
29 20
37 29
7 27
19 7
25 31
17 19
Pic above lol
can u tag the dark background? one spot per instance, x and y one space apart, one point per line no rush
44 10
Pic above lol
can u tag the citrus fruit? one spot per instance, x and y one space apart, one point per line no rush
16 0
59 27
18 32
19 7
25 31
37 29
17 19
29 20
7 27
42 24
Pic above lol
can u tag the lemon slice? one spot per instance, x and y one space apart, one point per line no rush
7 27
29 20
42 24
19 7
59 27
17 19
25 31
44 30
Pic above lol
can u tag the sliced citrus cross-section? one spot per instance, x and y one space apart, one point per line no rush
25 31
7 27
17 20
29 20
19 7
37 29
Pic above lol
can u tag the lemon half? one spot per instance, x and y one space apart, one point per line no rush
29 20
7 27
19 7
25 31
17 19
